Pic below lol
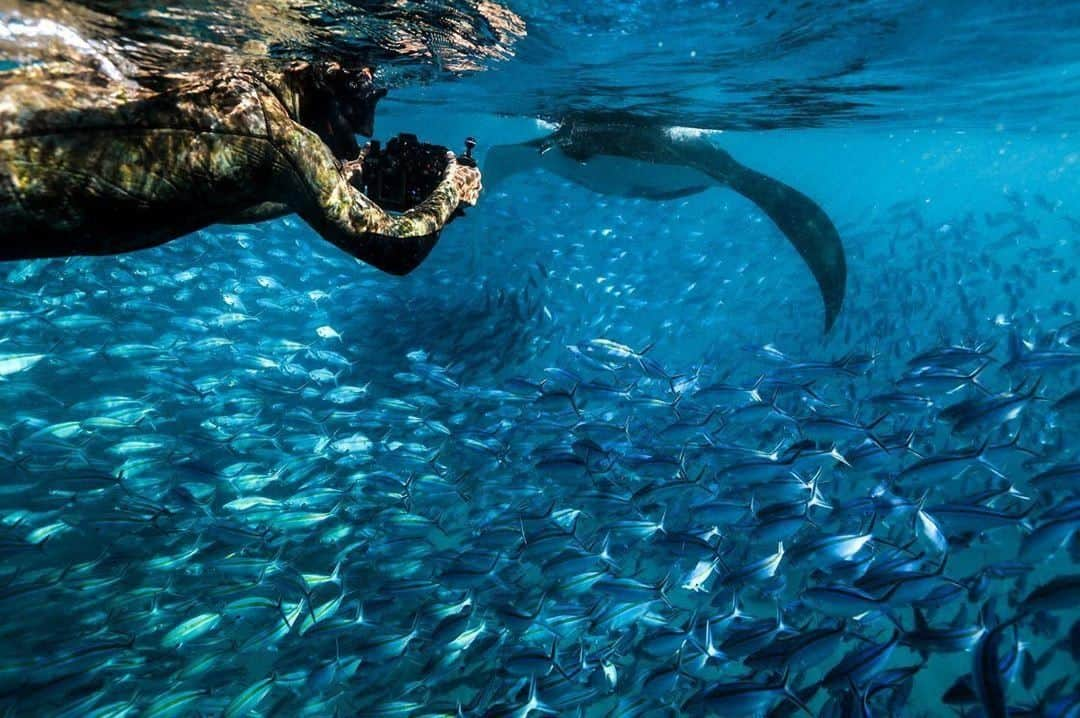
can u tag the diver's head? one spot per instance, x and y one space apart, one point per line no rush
334 101
356 95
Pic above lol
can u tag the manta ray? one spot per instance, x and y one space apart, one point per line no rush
627 156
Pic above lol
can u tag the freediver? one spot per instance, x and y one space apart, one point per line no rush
616 153
91 164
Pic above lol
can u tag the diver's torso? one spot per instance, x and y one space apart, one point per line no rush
63 98
92 167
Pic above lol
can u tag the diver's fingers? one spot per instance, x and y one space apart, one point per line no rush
468 184
466 178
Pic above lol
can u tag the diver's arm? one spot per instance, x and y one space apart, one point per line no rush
319 191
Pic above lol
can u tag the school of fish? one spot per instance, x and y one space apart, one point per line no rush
578 464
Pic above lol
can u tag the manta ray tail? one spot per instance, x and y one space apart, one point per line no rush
801 220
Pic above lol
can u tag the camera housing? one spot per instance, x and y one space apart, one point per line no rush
402 174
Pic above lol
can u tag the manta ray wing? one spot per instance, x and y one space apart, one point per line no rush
502 161
608 174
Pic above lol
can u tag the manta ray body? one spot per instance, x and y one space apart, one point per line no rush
630 157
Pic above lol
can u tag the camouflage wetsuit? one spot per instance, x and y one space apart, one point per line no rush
90 165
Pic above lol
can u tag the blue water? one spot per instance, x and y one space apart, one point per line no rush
190 512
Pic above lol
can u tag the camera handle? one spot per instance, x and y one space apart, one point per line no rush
466 160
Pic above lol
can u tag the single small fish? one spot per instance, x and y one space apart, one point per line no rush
861 665
988 412
956 638
1025 358
346 394
1060 476
841 601
1058 594
16 363
175 703
328 332
945 466
755 571
987 673
248 699
191 629
944 380
742 698
952 355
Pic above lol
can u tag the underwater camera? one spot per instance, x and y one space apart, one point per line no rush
402 174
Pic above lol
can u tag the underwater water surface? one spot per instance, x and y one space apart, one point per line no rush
595 456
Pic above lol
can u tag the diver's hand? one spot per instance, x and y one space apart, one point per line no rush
354 169
465 178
